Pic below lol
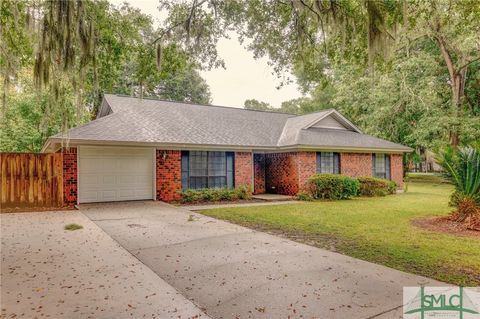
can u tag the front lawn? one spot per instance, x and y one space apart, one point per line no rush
378 229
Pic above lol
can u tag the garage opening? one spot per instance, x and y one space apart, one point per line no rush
108 174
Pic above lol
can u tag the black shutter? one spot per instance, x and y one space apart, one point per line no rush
373 165
230 157
185 170
387 166
336 163
319 163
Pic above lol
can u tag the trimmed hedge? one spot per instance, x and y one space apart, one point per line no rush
215 194
332 186
371 186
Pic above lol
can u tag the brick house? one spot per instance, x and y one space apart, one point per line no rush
151 149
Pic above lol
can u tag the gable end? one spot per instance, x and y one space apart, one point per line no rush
333 120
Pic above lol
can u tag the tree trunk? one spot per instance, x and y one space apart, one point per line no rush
458 95
457 83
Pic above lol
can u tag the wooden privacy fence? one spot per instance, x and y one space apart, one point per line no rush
31 181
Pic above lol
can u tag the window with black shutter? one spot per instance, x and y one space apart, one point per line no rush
202 169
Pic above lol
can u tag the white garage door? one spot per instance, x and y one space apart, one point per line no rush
114 174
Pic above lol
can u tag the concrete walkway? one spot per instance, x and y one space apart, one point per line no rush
273 197
212 206
234 272
47 272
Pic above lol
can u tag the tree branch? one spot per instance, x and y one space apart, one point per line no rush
446 56
188 19
468 63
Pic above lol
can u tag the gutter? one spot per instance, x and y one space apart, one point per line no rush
258 148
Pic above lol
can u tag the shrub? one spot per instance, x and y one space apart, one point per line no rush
243 192
462 168
215 194
332 186
372 186
304 196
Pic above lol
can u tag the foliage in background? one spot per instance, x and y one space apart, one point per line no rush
408 71
58 58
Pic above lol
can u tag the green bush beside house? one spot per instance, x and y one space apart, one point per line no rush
371 186
334 187
215 194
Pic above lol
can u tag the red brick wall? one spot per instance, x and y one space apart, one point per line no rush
169 179
259 173
281 173
307 166
396 169
243 169
70 176
356 164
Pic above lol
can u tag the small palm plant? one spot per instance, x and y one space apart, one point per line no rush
462 167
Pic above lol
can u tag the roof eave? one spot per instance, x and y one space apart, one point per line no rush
50 145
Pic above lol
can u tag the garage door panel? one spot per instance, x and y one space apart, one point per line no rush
90 196
109 180
141 180
113 174
108 195
142 192
89 180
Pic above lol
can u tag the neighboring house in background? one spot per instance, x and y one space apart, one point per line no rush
427 164
151 149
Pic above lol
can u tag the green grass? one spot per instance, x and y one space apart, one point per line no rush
73 227
377 229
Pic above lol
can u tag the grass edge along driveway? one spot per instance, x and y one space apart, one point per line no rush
378 230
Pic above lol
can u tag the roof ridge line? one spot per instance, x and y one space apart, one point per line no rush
197 104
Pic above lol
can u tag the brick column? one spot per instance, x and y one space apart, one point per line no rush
396 169
259 173
168 173
356 164
243 169
307 166
70 176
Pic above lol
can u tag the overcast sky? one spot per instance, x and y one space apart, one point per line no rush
244 77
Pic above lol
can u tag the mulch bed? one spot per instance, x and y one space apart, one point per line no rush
445 225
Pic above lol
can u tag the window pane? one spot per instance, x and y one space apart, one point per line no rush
216 164
207 169
198 163
198 182
327 163
380 170
217 181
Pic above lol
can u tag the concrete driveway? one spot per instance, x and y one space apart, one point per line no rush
48 272
234 272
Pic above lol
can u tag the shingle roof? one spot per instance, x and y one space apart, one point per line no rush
128 119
